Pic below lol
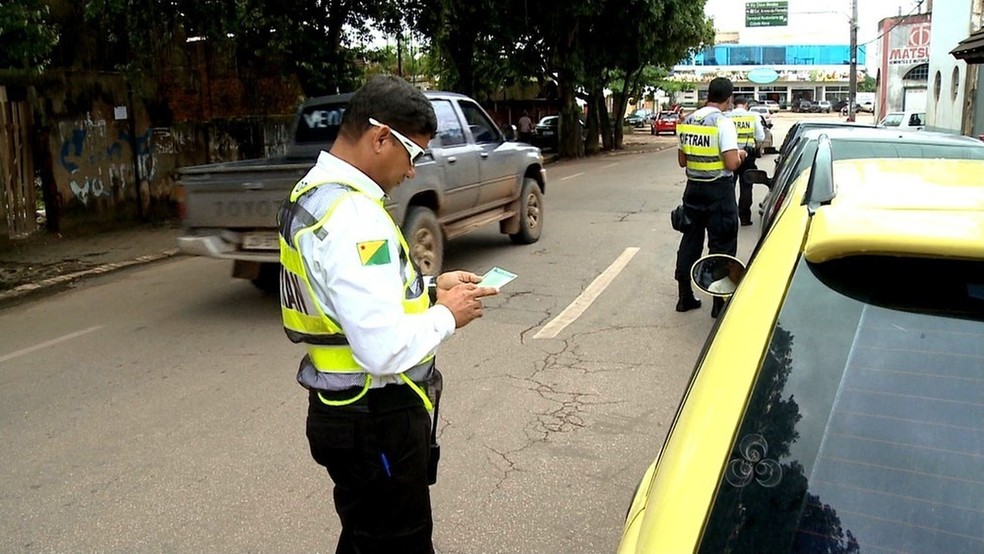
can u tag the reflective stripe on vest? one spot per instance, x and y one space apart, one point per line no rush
745 124
304 320
699 141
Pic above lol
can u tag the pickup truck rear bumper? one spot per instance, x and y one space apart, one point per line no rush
222 244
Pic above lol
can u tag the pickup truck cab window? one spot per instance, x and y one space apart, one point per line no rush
319 123
482 128
449 131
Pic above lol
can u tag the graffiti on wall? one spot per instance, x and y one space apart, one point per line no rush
96 163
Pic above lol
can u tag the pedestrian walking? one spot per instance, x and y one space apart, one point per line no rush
351 294
751 136
709 152
526 128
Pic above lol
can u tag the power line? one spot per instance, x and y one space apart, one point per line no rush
919 4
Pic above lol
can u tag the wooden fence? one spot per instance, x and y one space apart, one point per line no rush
18 205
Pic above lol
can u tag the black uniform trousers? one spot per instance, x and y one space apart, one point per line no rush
745 188
376 454
711 207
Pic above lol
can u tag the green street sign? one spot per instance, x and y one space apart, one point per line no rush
766 14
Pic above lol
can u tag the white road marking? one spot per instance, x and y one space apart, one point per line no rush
609 165
586 298
48 343
572 176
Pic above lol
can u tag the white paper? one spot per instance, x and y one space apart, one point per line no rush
496 278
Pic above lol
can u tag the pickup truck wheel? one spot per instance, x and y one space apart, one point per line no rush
426 241
530 213
269 278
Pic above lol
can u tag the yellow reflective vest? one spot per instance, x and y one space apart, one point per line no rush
698 140
304 320
745 125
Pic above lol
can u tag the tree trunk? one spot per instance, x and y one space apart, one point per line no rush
619 103
601 112
571 143
594 122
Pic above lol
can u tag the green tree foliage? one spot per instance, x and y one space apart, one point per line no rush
575 47
480 43
603 41
664 33
570 48
134 34
867 84
319 41
27 35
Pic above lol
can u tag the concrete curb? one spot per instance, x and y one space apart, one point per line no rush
553 157
61 282
646 150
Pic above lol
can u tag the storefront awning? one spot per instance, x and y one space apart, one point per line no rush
971 49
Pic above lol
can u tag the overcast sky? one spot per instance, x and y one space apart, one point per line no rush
813 22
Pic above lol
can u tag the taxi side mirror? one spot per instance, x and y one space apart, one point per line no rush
757 176
717 274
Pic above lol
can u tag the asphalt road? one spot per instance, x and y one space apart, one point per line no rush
154 409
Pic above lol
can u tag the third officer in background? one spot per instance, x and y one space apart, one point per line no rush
710 153
751 135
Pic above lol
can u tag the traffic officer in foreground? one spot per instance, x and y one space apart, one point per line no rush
751 136
709 151
352 295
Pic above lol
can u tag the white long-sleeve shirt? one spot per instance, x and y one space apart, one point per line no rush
367 300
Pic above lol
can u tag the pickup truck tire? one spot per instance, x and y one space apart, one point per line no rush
269 278
425 239
530 213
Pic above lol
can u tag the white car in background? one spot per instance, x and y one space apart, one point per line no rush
772 105
904 121
763 110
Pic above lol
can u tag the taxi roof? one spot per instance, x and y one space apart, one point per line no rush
905 207
883 134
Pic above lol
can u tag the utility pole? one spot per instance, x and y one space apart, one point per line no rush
853 77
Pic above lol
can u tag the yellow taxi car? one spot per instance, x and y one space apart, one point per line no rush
838 404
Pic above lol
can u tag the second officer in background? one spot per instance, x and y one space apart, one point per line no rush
751 135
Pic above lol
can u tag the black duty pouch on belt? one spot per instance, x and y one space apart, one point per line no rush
435 384
680 220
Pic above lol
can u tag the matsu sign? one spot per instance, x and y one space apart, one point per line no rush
910 45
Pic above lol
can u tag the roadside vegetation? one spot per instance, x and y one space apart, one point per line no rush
571 49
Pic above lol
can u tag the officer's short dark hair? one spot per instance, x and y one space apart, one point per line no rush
719 90
391 101
741 101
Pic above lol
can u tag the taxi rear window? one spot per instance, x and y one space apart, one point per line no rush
863 431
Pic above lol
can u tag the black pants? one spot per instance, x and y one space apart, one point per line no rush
376 454
745 189
711 207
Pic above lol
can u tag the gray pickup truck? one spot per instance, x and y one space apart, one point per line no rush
473 174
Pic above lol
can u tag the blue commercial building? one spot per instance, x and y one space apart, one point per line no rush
797 56
804 72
